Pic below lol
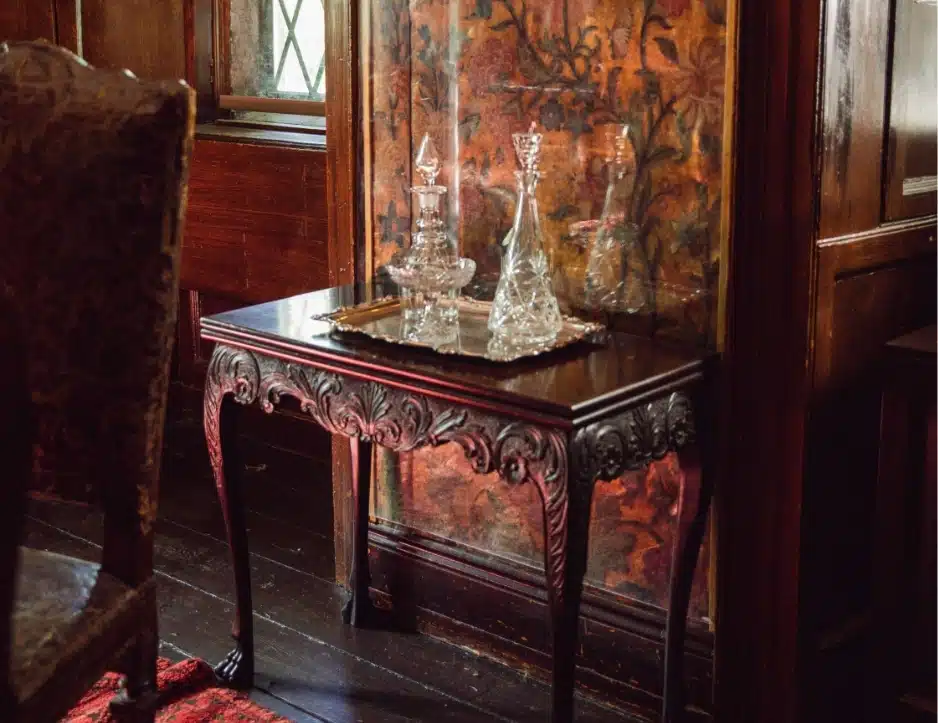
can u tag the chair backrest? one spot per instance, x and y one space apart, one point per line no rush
93 166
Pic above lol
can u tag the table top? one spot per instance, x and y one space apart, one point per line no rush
574 384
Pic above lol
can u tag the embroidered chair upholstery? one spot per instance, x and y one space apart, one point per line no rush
93 168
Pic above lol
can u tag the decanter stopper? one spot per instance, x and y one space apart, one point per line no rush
528 149
428 161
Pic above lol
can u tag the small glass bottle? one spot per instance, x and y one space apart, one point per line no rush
430 272
525 311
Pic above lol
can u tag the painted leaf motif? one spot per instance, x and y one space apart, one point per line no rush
668 49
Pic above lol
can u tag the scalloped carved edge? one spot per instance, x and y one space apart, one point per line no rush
401 421
641 435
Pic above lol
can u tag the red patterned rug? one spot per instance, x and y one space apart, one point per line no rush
188 694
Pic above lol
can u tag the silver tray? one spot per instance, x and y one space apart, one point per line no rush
382 320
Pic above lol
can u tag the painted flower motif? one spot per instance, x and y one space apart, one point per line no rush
552 115
699 84
488 66
674 8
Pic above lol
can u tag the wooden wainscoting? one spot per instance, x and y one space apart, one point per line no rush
256 230
27 20
872 287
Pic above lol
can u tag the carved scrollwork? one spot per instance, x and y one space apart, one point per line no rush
526 453
230 371
368 411
634 439
403 421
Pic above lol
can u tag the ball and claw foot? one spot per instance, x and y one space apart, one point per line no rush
237 669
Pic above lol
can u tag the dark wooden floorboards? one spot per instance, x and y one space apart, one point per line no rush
310 667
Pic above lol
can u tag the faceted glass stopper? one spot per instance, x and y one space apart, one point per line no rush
528 148
428 161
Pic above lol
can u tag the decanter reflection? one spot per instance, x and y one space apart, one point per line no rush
611 284
525 310
430 273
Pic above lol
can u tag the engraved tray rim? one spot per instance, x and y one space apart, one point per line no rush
580 330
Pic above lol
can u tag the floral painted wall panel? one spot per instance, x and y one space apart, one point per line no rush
390 127
472 72
631 532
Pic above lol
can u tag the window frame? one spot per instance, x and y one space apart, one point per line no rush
208 52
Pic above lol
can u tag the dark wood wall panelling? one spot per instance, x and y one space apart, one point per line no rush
913 112
904 663
770 262
856 47
27 20
256 230
875 280
146 37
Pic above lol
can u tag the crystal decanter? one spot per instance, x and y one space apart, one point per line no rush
525 311
609 283
430 273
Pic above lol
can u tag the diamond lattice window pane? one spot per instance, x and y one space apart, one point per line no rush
311 36
292 74
299 47
278 48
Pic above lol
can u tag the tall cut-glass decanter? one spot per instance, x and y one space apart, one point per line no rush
610 284
525 310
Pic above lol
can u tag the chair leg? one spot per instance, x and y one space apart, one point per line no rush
137 702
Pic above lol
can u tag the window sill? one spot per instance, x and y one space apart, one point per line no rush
260 136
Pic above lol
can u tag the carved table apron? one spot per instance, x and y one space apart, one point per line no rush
563 461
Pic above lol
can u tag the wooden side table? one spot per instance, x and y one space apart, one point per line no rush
903 664
560 422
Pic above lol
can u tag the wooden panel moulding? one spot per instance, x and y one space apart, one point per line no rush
871 287
342 139
257 221
146 37
772 252
344 164
27 20
851 255
68 25
911 167
856 46
199 42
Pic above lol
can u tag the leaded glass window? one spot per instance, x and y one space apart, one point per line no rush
277 49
